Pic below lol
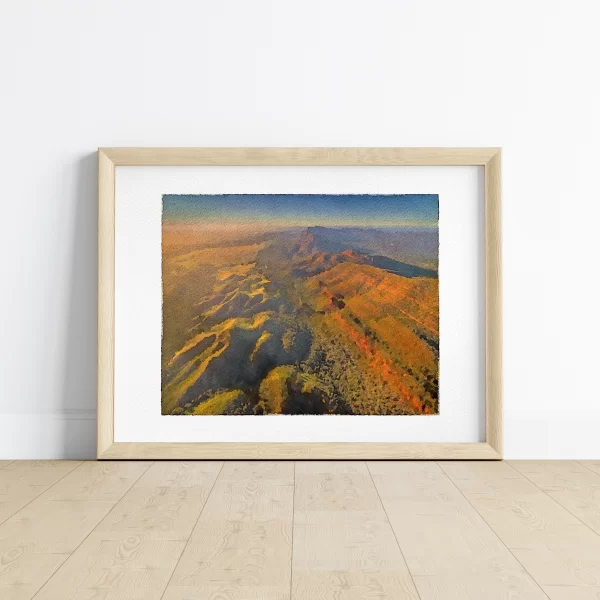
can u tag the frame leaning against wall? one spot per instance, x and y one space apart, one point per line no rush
110 158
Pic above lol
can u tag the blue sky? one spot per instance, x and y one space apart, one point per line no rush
288 210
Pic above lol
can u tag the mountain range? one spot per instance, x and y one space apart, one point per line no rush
317 321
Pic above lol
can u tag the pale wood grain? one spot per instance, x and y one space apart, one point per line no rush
345 540
439 532
446 544
181 474
22 567
502 586
353 585
241 544
130 567
335 491
165 502
344 546
132 552
252 500
37 472
36 540
161 513
23 481
577 566
22 580
247 553
55 526
106 302
592 465
493 303
299 451
98 481
570 484
5 463
555 547
277 472
299 156
228 591
109 158
569 592
331 467
519 512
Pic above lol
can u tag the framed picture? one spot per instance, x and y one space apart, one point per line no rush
299 303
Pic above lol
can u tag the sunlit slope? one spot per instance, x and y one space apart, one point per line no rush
386 326
189 273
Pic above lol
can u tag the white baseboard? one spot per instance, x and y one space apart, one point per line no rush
72 434
65 434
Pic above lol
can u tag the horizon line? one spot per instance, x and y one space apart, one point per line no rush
270 225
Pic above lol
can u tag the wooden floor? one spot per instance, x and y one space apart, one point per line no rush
305 531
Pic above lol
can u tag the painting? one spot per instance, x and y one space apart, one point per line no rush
300 305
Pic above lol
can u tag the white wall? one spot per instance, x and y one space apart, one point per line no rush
519 74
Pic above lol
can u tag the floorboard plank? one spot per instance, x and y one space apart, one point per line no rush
23 481
568 592
592 465
180 473
555 547
240 547
450 550
96 481
571 484
129 567
133 551
344 546
165 503
39 538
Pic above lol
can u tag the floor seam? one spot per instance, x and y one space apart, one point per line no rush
43 492
586 467
90 533
492 530
553 499
393 531
192 530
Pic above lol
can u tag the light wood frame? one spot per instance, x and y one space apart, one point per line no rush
110 158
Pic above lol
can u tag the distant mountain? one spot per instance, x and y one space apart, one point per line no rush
307 242
319 248
410 245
